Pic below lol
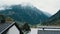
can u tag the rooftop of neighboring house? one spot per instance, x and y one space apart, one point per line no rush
5 26
49 27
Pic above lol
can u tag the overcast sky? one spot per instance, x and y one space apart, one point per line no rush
50 6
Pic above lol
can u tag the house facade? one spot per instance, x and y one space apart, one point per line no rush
10 28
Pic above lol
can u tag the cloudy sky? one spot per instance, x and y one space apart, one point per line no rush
50 6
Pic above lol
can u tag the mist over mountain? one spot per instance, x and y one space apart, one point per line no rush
53 20
29 14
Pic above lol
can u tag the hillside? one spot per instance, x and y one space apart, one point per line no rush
28 14
54 20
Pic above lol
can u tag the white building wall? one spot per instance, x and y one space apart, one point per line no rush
13 30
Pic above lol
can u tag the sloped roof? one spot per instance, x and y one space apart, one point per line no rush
5 26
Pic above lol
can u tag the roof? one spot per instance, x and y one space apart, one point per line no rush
49 27
48 32
5 26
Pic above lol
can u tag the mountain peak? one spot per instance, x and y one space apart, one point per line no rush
28 4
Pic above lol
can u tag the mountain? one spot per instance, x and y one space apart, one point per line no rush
53 20
29 14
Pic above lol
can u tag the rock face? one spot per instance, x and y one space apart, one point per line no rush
27 14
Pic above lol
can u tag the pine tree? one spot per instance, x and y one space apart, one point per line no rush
26 27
